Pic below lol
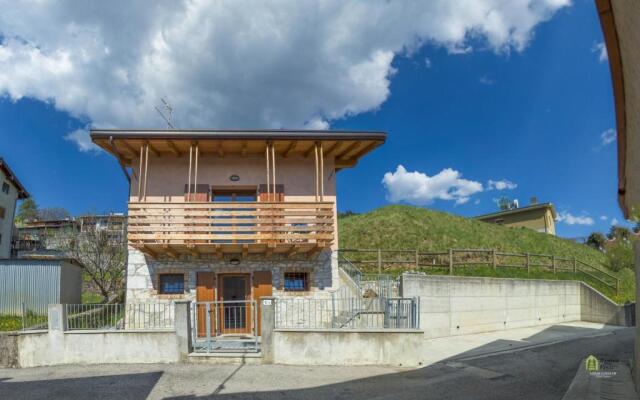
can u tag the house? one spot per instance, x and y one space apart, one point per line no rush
38 236
49 236
12 191
539 216
232 215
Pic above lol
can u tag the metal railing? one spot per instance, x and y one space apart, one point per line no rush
130 316
379 260
23 317
349 313
225 326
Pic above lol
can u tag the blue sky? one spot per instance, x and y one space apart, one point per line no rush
533 116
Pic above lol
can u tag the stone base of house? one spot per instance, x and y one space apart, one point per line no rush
144 275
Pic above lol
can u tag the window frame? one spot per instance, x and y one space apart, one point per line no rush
306 281
176 274
6 185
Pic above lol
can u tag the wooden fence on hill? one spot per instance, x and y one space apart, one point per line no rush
415 259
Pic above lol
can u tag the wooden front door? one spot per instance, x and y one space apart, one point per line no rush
205 291
262 287
235 312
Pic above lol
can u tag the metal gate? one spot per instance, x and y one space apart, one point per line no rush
224 326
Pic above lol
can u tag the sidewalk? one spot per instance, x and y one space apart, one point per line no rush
465 347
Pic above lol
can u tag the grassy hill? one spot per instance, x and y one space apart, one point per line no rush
405 227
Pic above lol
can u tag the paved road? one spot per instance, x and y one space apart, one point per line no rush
536 373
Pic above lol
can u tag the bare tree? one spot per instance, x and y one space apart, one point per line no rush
103 256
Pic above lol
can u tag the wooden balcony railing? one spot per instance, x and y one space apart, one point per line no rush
230 227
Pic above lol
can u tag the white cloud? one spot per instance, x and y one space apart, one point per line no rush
502 184
603 218
418 188
570 219
237 63
601 50
608 136
81 138
614 221
485 80
427 62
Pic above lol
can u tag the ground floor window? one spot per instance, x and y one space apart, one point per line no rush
296 281
171 284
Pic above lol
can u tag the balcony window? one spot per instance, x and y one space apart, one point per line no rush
296 281
171 284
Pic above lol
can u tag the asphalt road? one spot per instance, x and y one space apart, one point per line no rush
536 373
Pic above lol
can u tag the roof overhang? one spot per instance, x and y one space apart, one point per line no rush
22 192
519 210
619 21
347 147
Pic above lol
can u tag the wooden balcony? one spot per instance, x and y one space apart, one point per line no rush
219 228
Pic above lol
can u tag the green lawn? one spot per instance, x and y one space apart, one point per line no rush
404 227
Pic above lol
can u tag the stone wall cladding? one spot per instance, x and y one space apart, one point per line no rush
142 273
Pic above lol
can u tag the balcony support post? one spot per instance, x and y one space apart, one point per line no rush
146 169
195 175
317 185
140 173
321 173
273 170
268 173
189 178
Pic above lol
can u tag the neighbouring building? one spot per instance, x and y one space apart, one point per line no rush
49 236
619 22
41 236
539 217
30 284
12 191
217 215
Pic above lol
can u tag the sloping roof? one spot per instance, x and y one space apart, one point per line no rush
345 146
22 192
519 210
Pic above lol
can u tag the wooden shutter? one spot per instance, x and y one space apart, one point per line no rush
263 195
199 193
205 291
262 287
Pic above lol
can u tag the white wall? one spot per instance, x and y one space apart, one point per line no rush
347 347
8 202
452 306
95 347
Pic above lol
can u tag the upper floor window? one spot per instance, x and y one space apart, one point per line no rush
5 187
2 211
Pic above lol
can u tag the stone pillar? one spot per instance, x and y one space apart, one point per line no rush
183 327
57 317
267 327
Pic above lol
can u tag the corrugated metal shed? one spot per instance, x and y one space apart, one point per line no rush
32 284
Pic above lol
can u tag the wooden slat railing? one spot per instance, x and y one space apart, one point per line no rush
195 223
452 258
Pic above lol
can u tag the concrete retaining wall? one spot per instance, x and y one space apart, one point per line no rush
347 347
95 347
452 306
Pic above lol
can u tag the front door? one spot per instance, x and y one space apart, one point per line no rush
234 295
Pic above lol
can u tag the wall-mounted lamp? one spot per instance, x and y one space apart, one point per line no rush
234 261
234 178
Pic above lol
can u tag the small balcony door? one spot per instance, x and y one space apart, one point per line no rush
233 195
